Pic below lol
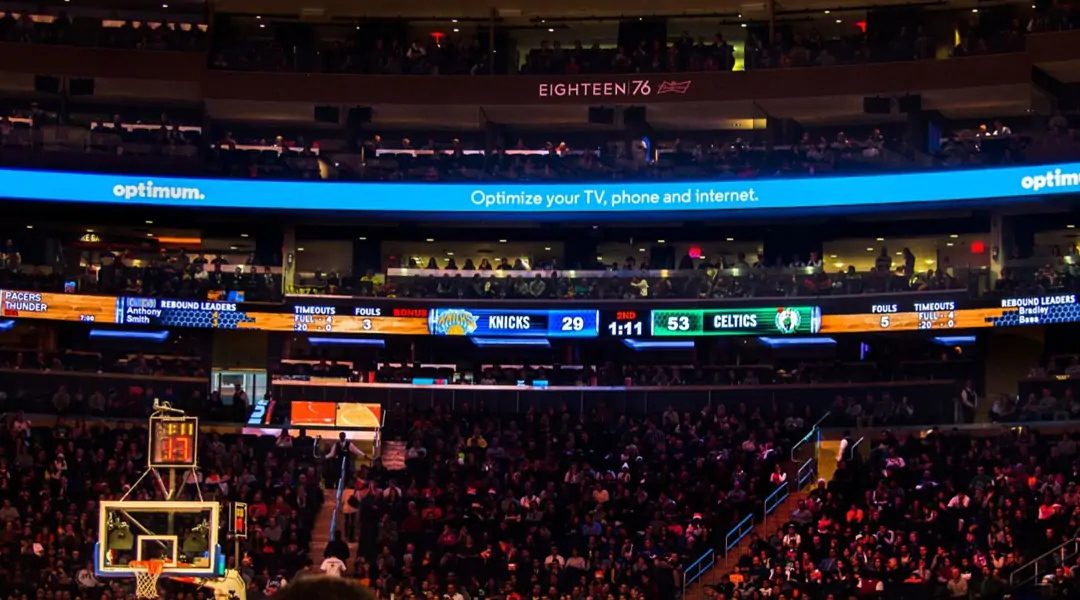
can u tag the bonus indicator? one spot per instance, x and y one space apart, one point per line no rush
790 320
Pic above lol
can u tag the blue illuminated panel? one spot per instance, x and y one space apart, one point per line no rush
536 199
509 322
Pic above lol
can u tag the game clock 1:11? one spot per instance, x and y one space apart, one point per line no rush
626 323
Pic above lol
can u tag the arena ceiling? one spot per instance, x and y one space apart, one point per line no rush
567 9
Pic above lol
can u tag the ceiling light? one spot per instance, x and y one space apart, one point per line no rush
89 231
453 20
149 235
548 248
828 11
164 6
301 249
600 258
1070 227
640 249
743 25
731 239
149 222
258 16
262 26
243 235
954 236
29 226
869 249
881 239
232 247
456 30
362 239
950 244
430 240
974 10
502 241
839 20
551 30
449 253
899 253
659 241
832 256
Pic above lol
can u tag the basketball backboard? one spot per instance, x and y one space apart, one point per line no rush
183 534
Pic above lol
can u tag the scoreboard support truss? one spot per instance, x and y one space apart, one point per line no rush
173 447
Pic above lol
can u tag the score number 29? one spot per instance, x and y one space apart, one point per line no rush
572 324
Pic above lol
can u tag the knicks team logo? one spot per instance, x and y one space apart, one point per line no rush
787 321
454 321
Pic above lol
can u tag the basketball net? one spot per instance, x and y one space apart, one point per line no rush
146 577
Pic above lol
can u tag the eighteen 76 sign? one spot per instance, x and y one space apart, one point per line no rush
633 88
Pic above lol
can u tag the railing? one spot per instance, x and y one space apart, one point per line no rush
808 468
1030 572
853 449
698 568
806 473
815 433
773 500
340 493
376 444
737 533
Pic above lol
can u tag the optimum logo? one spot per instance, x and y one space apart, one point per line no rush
1052 179
147 189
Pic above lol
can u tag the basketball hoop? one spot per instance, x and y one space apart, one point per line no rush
147 573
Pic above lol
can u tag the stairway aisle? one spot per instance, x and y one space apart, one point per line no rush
781 516
320 534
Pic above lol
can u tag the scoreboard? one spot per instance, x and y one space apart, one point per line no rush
804 316
174 442
780 320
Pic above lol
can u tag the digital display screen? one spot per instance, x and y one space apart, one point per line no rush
174 442
627 323
934 316
784 320
313 413
240 520
911 312
510 322
346 415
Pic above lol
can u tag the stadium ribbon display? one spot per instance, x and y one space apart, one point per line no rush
908 314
